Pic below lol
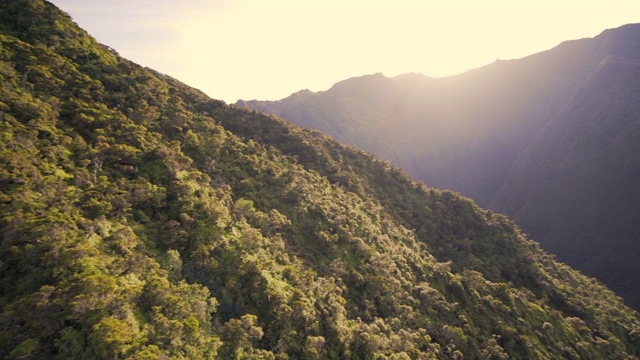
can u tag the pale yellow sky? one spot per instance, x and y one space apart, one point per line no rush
258 49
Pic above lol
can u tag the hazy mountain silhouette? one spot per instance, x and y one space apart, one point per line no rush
525 137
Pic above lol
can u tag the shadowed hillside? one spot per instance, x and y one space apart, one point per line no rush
577 180
495 133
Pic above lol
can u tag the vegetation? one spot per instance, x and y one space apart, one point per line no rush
550 140
142 220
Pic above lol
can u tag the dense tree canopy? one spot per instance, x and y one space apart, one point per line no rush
141 219
550 140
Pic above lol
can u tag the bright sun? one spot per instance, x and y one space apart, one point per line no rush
248 49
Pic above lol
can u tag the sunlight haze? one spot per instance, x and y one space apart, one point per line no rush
250 49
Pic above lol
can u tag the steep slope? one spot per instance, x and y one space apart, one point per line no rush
575 188
489 134
460 133
140 219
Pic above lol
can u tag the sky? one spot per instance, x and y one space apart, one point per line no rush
267 50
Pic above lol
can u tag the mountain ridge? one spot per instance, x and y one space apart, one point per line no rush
467 132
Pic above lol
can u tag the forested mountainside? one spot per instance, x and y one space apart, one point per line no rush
500 134
140 219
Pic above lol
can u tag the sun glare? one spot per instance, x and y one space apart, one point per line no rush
267 50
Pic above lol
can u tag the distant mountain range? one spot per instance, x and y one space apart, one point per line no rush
552 140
